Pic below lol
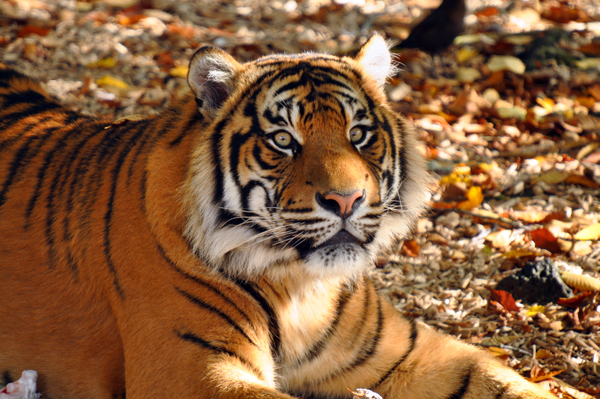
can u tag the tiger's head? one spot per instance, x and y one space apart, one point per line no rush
303 163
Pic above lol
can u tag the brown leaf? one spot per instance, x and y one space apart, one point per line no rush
576 301
544 239
32 30
538 374
582 181
505 299
410 248
564 14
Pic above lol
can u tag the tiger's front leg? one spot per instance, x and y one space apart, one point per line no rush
435 365
368 344
187 347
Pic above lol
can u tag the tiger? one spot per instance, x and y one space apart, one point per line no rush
222 248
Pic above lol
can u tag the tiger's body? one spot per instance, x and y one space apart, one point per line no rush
221 249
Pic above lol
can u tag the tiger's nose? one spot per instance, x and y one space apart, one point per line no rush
341 205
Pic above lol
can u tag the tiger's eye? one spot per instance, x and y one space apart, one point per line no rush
356 134
282 139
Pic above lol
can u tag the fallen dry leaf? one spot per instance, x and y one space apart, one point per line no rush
505 299
544 239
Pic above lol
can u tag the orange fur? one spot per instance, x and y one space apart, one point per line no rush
154 258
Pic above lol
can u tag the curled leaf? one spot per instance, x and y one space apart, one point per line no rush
581 282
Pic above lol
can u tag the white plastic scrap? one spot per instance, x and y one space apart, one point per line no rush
362 393
24 388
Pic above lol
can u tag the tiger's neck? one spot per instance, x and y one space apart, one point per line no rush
177 132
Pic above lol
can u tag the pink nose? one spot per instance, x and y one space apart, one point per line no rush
341 204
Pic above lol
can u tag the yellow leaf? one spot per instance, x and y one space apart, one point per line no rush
581 281
108 62
533 310
455 178
498 352
543 354
465 54
474 199
547 103
179 72
552 177
589 233
109 81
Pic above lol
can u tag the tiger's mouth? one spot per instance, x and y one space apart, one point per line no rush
341 238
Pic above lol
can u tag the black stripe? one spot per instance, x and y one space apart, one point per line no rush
299 210
275 119
204 284
187 129
114 178
464 385
411 346
215 139
23 155
28 96
78 182
271 316
360 322
199 302
21 158
193 338
144 143
89 177
41 175
59 182
302 81
367 349
9 141
305 221
402 155
319 345
15 117
50 207
216 161
372 140
257 153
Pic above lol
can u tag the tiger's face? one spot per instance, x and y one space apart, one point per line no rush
303 164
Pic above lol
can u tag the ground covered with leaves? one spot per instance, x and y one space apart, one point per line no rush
511 133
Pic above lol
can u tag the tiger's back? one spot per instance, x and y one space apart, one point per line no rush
221 248
65 178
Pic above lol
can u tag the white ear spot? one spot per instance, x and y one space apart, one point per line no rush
375 59
211 77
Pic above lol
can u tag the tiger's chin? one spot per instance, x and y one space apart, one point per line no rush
338 257
347 260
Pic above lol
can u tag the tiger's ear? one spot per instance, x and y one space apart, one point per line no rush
211 77
375 58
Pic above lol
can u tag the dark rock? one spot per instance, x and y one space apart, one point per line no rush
537 282
545 47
